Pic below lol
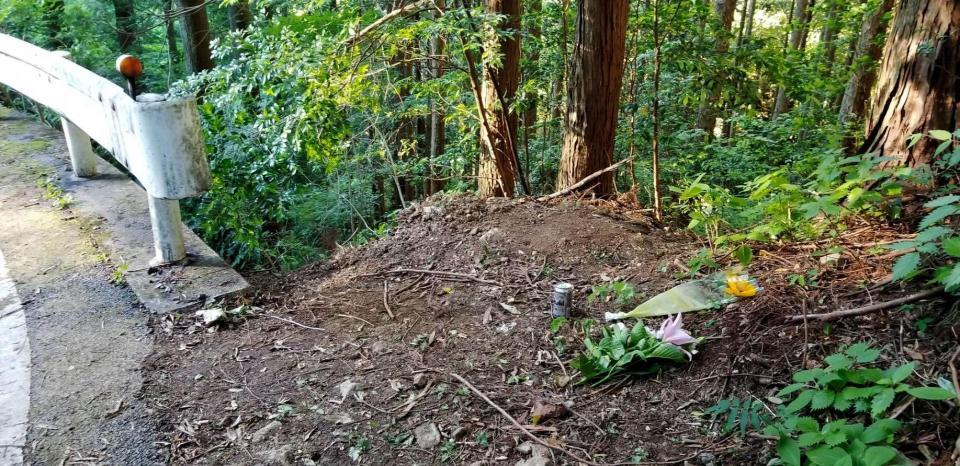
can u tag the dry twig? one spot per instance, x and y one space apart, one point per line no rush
584 181
440 272
871 308
385 305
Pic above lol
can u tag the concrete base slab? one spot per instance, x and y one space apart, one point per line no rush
121 207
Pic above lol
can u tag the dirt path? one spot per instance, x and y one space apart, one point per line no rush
87 336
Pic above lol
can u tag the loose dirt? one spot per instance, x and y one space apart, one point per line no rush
314 370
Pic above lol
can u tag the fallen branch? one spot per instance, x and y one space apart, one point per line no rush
385 305
584 181
440 272
409 8
356 318
293 322
513 421
871 308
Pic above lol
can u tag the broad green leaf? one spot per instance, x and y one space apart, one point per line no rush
930 393
790 389
900 373
800 402
906 266
809 439
822 399
881 402
939 134
927 235
829 456
862 352
838 361
880 430
879 456
951 246
744 255
807 424
789 451
808 375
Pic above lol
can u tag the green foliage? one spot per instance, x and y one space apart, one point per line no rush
815 422
622 352
621 292
936 247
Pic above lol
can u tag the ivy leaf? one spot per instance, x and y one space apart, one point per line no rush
930 393
951 246
789 451
937 215
879 456
882 401
906 266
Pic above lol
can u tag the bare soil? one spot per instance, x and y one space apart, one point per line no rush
271 386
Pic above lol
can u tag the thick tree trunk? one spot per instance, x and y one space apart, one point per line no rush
707 114
126 24
239 15
195 31
751 12
919 81
497 174
593 92
864 61
435 181
798 31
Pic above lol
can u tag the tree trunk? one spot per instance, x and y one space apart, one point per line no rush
919 81
707 114
497 174
558 86
655 139
864 60
239 15
195 31
798 28
751 11
126 24
530 110
593 92
828 35
435 181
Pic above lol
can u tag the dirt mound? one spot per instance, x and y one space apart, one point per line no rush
352 358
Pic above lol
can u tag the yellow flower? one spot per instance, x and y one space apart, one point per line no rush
740 287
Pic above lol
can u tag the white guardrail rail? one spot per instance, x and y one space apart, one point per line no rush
159 141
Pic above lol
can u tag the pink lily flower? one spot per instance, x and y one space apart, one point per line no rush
672 332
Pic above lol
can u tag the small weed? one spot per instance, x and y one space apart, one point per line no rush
622 293
53 192
517 379
639 455
448 451
359 445
403 438
119 274
482 438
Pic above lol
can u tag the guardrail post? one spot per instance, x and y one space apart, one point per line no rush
82 157
167 230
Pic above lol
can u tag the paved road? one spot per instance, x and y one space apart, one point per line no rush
71 342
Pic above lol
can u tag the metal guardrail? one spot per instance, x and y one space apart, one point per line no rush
159 141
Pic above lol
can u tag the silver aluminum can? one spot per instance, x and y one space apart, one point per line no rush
562 300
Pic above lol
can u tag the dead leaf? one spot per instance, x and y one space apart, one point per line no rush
509 308
543 412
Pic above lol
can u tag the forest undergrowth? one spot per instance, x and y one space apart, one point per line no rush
366 357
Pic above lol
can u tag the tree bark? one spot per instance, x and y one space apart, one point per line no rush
655 139
828 35
530 110
239 15
435 181
593 92
751 11
195 31
798 28
864 60
707 114
919 81
497 175
126 24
